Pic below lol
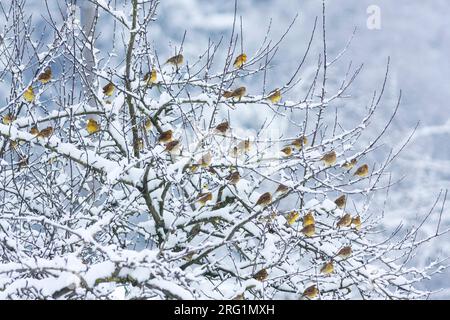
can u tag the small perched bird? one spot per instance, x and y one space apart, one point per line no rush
349 164
287 151
244 146
222 127
292 217
282 189
205 160
345 252
46 75
327 268
148 124
236 93
329 158
309 230
92 126
234 177
300 142
34 131
108 89
7 119
173 147
176 60
362 171
45 133
261 275
308 219
311 292
240 60
345 221
275 96
340 202
29 94
203 198
166 136
356 221
150 77
264 200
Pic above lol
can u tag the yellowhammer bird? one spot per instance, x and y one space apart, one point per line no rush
240 60
308 219
108 89
327 268
176 60
261 275
345 252
356 221
300 142
275 96
222 127
311 292
282 189
349 164
234 177
29 94
7 119
236 93
166 136
340 202
264 200
92 126
46 75
148 124
292 217
345 221
150 77
287 151
329 158
362 171
45 133
309 230
203 198
34 131
173 147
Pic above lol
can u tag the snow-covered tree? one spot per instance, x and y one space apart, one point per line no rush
127 174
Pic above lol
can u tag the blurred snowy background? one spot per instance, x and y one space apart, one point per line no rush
414 33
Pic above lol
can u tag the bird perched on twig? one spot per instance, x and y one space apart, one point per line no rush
308 219
329 158
287 151
345 221
92 126
205 160
362 171
311 292
292 217
240 60
349 164
274 96
236 93
340 202
34 131
282 189
300 142
46 75
261 275
108 89
166 136
345 252
173 147
28 95
264 200
45 133
7 119
176 60
327 268
150 77
234 177
356 221
222 128
203 198
309 230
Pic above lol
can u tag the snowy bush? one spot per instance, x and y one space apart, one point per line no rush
124 173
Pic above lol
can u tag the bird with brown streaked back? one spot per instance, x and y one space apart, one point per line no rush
34 131
309 230
349 164
234 177
261 275
282 189
222 127
341 201
108 89
287 151
46 76
362 171
345 252
356 221
345 221
236 93
264 200
45 133
240 60
203 198
300 142
166 136
329 158
176 60
7 119
311 292
173 147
